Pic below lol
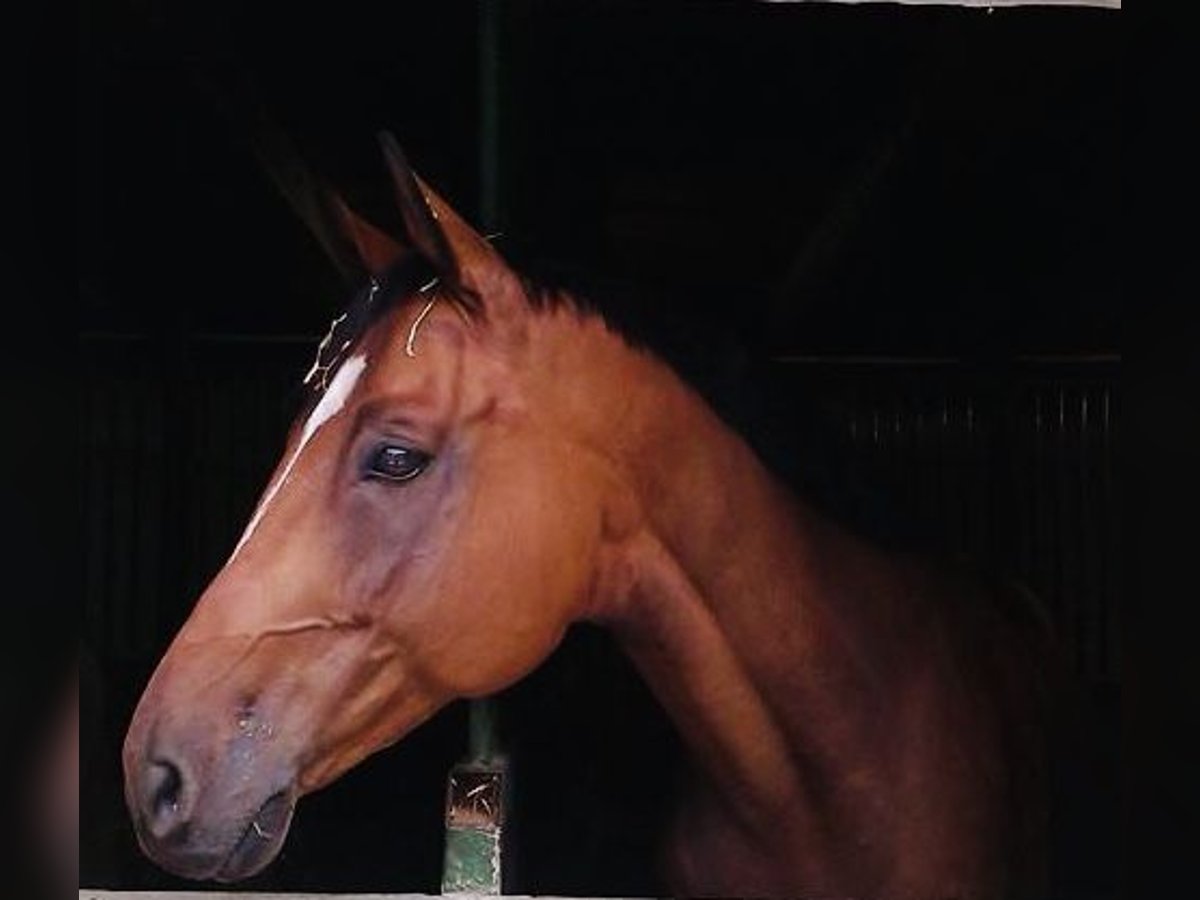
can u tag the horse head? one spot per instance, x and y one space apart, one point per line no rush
431 530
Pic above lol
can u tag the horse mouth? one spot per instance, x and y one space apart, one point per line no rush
261 841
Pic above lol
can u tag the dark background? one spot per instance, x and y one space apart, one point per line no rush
900 223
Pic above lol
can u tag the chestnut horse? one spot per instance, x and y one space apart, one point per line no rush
483 465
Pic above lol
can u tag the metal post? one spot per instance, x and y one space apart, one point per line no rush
474 858
489 114
481 743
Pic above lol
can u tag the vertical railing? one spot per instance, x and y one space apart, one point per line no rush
1017 469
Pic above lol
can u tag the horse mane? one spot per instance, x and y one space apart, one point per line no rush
722 351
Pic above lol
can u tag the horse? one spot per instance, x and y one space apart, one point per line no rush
483 463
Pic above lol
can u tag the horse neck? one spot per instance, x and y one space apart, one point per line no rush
722 594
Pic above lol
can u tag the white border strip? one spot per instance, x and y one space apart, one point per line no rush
96 894
980 4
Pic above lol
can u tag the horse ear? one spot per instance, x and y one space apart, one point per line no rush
420 220
377 251
457 252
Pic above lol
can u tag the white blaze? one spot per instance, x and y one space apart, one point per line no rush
331 403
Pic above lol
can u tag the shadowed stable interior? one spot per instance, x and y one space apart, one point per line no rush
931 183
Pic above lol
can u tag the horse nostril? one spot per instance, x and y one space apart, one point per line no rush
163 796
168 784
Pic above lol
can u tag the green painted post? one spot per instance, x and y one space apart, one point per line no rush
473 863
489 114
475 792
481 741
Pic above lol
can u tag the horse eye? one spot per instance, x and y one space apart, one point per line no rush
394 462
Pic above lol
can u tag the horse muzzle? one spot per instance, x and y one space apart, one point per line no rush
206 804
